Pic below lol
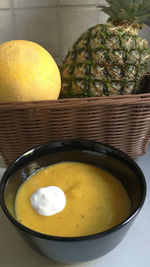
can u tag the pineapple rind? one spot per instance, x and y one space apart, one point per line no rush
104 61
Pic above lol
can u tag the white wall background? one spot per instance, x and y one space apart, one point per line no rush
54 24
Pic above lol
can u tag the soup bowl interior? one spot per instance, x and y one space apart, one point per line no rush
74 249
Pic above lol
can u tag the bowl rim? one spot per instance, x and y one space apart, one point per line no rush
30 153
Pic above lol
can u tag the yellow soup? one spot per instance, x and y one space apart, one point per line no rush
95 200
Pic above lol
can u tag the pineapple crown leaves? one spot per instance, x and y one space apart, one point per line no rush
130 11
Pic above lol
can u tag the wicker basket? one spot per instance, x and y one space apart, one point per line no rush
123 122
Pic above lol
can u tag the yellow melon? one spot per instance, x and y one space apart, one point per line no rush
27 72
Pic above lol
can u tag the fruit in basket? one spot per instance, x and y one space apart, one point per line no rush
109 59
27 72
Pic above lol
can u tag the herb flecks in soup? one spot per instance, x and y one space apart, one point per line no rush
95 200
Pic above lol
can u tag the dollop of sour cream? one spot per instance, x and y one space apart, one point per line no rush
48 200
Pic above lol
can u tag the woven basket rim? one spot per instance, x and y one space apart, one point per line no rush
78 102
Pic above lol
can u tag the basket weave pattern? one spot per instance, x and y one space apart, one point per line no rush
123 122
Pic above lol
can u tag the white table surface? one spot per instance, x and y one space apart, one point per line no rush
133 251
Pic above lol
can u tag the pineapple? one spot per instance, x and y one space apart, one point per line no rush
109 59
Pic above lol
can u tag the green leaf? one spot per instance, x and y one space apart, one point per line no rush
124 4
142 10
108 11
109 2
122 14
116 6
145 12
145 19
128 10
137 1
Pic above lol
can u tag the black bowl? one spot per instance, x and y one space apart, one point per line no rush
74 249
